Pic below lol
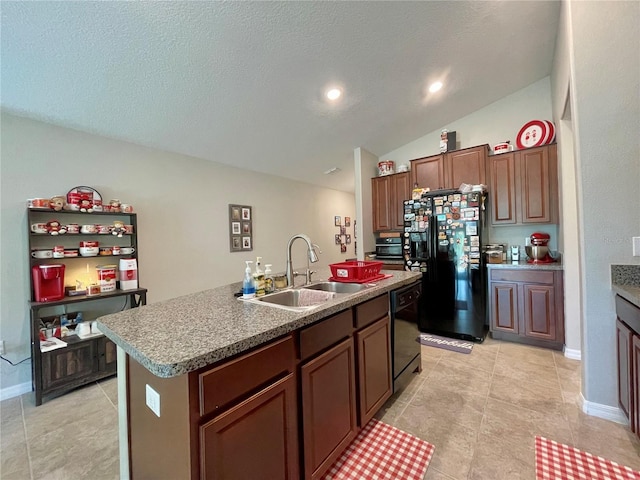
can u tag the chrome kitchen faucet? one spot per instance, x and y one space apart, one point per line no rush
313 257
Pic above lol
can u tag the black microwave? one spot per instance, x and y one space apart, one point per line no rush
389 248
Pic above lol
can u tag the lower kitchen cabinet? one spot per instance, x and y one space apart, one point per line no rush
527 306
257 439
628 350
373 347
328 407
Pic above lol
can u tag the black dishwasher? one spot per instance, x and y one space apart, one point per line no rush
404 334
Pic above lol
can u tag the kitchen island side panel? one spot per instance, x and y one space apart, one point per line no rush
160 447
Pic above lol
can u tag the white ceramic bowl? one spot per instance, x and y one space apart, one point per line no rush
89 251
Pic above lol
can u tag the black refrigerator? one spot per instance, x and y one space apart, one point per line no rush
443 238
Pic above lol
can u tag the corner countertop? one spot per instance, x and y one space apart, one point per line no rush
522 264
177 336
625 281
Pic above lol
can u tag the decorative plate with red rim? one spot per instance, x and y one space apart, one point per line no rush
532 134
551 136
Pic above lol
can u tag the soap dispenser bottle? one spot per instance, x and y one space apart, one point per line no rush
248 287
268 280
258 278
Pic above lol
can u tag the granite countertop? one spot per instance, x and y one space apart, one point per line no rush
177 336
524 265
625 281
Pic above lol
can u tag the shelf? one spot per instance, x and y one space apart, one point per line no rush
79 235
72 212
85 298
130 255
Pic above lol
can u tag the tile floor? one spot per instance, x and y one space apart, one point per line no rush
481 411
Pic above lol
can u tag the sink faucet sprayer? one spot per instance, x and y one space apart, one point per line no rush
313 257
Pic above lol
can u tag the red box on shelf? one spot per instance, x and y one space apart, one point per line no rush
355 271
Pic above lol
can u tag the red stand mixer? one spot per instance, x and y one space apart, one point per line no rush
538 251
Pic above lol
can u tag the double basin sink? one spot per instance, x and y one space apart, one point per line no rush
308 297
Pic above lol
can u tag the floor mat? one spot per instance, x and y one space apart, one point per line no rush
381 451
556 461
452 344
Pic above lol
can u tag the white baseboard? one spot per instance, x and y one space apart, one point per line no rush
603 411
572 353
15 390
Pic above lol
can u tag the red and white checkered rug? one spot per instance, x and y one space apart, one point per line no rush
556 461
381 451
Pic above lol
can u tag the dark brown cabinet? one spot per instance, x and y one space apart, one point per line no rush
527 306
373 347
523 186
256 439
428 172
388 193
328 407
624 341
466 166
451 169
628 349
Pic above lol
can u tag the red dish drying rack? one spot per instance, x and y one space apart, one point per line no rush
356 272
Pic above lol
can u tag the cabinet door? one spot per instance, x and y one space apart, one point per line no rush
69 365
328 407
535 175
539 311
428 172
466 166
624 343
107 355
400 191
504 307
373 351
381 198
257 439
635 383
502 188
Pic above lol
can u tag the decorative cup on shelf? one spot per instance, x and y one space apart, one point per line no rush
39 228
126 208
128 229
73 228
127 250
58 251
88 229
42 253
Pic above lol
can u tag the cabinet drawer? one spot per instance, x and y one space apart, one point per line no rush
527 276
225 384
325 333
369 312
628 313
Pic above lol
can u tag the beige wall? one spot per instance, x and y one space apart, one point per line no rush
602 67
182 205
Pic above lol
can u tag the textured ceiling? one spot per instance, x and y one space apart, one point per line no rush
241 82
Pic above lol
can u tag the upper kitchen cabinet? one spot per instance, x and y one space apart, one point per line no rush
523 186
451 169
466 166
388 193
428 172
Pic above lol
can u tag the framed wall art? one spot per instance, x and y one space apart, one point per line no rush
240 228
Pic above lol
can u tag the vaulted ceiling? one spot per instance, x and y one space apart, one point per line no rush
242 83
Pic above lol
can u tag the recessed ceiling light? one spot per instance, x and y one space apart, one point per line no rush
333 94
435 87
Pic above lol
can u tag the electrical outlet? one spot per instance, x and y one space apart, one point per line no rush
153 400
636 246
1 347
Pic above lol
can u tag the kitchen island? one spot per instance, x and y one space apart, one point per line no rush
207 381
